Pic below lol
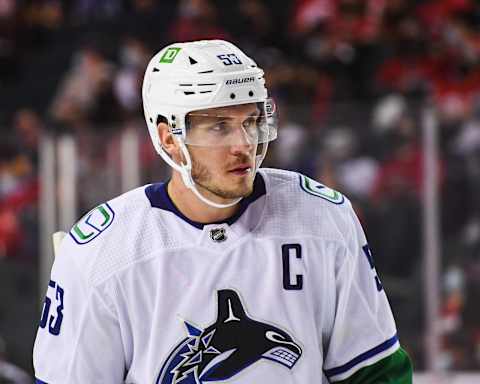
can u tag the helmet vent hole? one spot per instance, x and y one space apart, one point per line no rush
232 96
161 119
209 71
189 93
156 70
250 93
192 60
205 91
151 120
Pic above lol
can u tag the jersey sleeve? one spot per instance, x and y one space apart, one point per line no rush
364 330
78 339
394 369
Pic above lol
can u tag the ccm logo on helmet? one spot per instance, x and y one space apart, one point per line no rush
240 81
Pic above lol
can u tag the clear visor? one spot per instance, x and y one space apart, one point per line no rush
244 124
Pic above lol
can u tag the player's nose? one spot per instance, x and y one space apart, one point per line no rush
242 142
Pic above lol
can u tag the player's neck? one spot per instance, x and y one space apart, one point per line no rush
192 207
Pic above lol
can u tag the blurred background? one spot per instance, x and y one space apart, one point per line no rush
378 99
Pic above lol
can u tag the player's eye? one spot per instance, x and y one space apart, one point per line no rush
275 336
250 125
220 127
249 122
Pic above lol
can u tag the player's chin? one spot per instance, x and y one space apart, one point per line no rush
244 189
238 187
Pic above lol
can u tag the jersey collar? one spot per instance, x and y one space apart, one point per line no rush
158 196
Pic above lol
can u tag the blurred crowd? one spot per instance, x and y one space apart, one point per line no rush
352 79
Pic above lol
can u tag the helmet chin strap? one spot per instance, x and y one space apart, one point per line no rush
185 170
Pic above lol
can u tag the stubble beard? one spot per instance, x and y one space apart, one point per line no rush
204 178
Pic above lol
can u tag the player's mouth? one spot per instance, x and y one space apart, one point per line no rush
240 170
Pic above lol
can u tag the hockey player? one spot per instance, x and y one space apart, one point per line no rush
225 273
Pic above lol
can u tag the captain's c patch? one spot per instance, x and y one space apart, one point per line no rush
92 224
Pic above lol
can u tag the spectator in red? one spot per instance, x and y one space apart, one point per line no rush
18 193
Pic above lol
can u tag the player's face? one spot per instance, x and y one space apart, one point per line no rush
226 169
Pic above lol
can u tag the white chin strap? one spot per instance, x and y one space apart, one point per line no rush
186 173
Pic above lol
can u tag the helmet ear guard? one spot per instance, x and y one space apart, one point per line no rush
193 76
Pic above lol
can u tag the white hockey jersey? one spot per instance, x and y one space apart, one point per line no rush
283 292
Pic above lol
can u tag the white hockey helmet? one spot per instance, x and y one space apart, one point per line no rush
186 77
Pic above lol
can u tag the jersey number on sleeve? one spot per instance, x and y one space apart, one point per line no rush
54 321
368 253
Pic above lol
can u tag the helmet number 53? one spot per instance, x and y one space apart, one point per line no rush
229 59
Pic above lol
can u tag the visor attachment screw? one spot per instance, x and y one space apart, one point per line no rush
250 93
232 96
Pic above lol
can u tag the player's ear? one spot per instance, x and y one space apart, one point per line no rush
167 140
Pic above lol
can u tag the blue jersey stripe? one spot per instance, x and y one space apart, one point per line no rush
364 356
159 198
38 381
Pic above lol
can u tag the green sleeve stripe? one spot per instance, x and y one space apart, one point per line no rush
394 369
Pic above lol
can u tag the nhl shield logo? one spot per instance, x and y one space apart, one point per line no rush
218 235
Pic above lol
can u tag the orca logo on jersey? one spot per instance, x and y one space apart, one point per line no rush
227 347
